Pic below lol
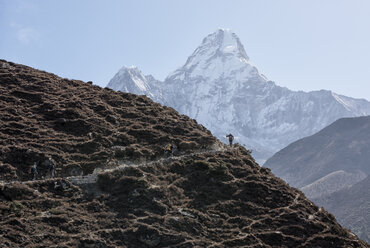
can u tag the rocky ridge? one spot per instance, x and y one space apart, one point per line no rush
82 126
206 195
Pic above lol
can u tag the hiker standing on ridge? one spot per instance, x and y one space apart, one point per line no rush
49 163
231 138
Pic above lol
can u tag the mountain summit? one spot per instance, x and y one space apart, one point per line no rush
224 91
219 52
220 44
136 83
225 42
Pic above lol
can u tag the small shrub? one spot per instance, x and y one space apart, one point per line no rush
17 208
201 164
132 171
187 145
219 169
18 191
56 211
106 180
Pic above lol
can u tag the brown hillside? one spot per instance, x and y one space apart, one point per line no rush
212 199
206 195
82 126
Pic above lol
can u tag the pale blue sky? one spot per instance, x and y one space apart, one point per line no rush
299 44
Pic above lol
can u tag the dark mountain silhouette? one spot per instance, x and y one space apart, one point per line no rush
206 195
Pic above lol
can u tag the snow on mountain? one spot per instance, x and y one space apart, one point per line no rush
220 88
227 54
132 80
135 81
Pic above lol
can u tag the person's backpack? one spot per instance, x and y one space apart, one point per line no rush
168 147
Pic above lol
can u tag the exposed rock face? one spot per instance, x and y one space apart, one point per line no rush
203 196
224 91
331 160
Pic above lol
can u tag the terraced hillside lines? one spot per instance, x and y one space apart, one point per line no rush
210 199
92 178
82 126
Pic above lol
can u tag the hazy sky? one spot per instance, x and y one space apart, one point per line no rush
302 45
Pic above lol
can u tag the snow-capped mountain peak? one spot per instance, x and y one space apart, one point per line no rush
220 55
136 82
224 91
223 42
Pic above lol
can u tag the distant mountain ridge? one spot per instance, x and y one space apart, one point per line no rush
351 206
332 168
332 182
137 83
343 145
220 88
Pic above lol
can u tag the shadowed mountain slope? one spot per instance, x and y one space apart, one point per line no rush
343 145
351 206
206 195
328 165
